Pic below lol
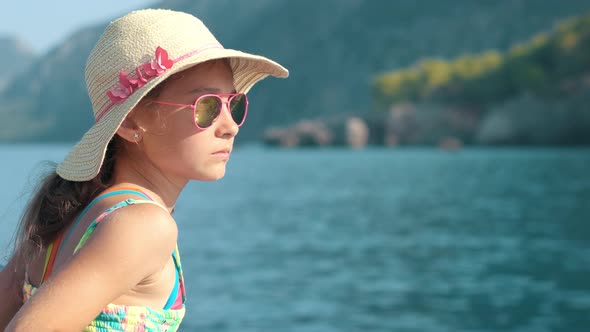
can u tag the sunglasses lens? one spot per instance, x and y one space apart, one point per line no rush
238 108
207 110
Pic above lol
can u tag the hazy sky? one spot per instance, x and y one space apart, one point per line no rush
42 24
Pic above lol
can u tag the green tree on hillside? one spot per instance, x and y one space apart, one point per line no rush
539 66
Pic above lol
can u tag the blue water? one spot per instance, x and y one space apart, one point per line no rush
377 239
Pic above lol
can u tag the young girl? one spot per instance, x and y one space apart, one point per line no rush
97 243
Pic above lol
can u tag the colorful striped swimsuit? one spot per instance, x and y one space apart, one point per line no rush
116 317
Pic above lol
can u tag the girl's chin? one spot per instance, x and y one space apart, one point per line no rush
213 175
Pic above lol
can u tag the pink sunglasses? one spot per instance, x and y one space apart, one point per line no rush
207 108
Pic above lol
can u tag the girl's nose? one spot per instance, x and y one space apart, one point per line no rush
226 126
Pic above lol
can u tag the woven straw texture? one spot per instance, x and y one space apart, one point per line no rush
127 43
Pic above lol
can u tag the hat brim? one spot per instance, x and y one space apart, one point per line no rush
84 161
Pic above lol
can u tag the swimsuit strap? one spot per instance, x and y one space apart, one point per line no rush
181 299
115 207
108 193
50 257
55 247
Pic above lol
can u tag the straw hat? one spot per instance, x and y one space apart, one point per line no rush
135 53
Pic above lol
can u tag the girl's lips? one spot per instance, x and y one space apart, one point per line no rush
223 154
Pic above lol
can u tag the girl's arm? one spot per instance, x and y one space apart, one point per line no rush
11 282
128 246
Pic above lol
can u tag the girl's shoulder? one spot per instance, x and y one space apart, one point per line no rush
138 219
127 246
131 230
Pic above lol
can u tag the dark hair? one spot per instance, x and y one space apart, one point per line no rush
55 203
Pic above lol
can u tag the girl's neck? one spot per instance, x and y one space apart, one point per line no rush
149 180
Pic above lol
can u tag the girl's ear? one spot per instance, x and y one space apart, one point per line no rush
130 130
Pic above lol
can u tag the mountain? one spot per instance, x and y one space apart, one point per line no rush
16 54
48 102
333 49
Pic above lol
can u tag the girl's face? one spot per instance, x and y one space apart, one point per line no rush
172 142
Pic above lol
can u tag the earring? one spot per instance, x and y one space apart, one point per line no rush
136 135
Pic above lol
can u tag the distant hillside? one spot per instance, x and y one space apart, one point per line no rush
551 63
15 55
48 101
333 49
537 92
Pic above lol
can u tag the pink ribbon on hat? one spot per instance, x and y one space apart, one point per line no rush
128 85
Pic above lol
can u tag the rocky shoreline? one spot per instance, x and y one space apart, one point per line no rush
525 120
401 125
